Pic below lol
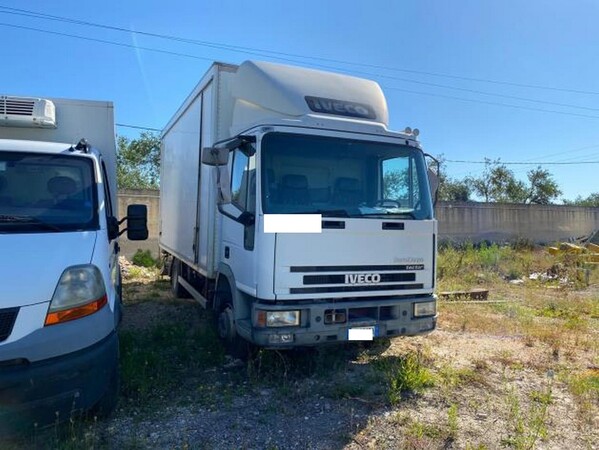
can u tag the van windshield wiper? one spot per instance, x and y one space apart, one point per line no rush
29 220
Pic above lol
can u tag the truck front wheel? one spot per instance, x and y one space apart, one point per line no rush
234 344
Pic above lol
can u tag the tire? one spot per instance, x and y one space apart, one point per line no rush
176 288
234 344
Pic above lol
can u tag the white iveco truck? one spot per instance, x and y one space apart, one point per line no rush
289 208
60 285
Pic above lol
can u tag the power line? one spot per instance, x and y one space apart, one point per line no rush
136 127
251 50
103 41
510 163
507 105
187 55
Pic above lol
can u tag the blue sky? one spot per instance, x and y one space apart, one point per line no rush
539 42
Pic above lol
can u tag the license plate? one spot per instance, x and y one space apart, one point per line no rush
362 333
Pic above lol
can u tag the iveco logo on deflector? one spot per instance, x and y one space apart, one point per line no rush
362 278
340 107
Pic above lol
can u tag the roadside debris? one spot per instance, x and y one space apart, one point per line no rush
472 294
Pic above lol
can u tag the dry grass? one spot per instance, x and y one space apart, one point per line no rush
520 371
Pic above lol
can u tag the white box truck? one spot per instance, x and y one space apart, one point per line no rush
289 208
60 284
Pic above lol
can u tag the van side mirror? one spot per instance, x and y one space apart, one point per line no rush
137 222
215 156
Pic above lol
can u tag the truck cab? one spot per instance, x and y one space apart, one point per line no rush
305 220
60 283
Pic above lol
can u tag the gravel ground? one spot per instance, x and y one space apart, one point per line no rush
492 391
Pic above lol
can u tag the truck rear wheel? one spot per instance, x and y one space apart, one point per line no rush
176 288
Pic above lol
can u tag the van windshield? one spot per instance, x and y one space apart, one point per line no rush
343 177
46 193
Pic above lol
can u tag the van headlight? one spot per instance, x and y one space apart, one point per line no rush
80 292
277 318
424 309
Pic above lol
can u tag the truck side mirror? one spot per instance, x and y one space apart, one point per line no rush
137 222
433 181
433 177
215 156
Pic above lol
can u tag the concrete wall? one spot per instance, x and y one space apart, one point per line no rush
506 222
150 198
457 221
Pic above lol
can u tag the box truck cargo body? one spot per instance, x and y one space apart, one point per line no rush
60 285
290 208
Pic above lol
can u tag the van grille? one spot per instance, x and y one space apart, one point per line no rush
16 107
7 321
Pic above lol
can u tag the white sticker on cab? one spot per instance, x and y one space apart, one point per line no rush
292 223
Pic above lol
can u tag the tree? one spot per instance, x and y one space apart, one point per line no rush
592 201
543 189
498 184
453 190
138 162
450 189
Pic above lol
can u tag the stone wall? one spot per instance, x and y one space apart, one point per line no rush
459 222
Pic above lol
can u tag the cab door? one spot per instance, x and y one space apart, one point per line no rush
238 222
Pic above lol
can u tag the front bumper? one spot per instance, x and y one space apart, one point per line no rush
388 317
45 392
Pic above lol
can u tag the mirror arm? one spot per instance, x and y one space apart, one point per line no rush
225 213
246 223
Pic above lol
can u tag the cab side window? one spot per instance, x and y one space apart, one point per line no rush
243 190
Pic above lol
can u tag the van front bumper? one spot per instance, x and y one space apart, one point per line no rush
45 392
386 318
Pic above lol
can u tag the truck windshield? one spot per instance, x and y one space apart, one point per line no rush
46 193
343 177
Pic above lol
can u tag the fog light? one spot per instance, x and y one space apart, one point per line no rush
286 338
424 309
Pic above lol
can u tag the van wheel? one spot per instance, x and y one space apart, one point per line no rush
176 288
106 405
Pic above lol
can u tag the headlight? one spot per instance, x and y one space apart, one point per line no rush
425 309
80 292
277 318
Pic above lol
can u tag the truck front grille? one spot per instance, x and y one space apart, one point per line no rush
323 279
7 321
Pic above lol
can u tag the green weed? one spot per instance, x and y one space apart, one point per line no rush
404 374
143 258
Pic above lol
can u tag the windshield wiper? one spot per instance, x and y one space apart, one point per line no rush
327 212
392 213
29 220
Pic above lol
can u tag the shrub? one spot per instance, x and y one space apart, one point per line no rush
144 258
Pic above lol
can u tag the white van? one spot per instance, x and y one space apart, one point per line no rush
60 284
